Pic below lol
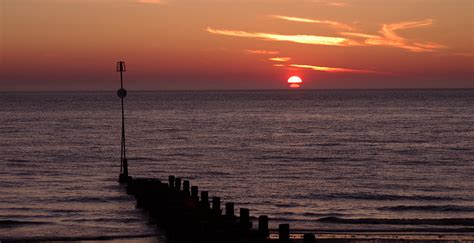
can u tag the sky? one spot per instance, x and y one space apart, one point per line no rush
62 45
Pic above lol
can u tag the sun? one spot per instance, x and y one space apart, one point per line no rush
295 82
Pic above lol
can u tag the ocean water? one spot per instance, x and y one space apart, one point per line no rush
394 160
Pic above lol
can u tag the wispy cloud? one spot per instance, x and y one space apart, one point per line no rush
332 69
280 59
263 52
389 37
150 1
361 35
331 23
332 3
302 39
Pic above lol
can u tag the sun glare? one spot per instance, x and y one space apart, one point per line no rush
294 86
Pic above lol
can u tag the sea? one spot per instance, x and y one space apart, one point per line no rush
320 160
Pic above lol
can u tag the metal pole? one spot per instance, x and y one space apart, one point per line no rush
122 139
123 117
123 156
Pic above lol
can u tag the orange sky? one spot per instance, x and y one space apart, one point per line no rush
245 44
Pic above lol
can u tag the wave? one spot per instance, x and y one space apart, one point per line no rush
298 159
416 221
65 211
307 214
90 199
18 161
106 220
18 223
144 158
311 215
430 208
384 197
215 173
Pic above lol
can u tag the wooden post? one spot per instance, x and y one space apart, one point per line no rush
229 210
171 181
205 199
194 192
216 205
177 184
186 187
284 232
309 238
245 218
263 226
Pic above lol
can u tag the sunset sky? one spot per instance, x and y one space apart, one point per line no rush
240 44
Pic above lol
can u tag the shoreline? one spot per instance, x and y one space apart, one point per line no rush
295 237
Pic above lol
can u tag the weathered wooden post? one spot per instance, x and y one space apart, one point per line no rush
229 210
186 187
177 184
284 232
205 199
245 218
171 181
194 192
216 205
263 226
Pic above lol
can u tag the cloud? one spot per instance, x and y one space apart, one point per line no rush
332 69
332 3
302 39
389 37
263 52
280 59
361 35
334 24
150 1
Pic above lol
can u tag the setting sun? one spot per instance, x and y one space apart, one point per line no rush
295 82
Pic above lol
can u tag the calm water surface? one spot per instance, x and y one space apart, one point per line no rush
320 160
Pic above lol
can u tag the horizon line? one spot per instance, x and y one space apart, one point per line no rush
229 90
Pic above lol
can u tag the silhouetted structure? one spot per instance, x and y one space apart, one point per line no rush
122 93
188 218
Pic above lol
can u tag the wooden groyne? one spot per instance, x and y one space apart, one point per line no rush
189 216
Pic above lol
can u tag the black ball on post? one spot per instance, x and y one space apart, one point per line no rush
122 93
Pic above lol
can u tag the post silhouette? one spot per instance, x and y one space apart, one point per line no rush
122 93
